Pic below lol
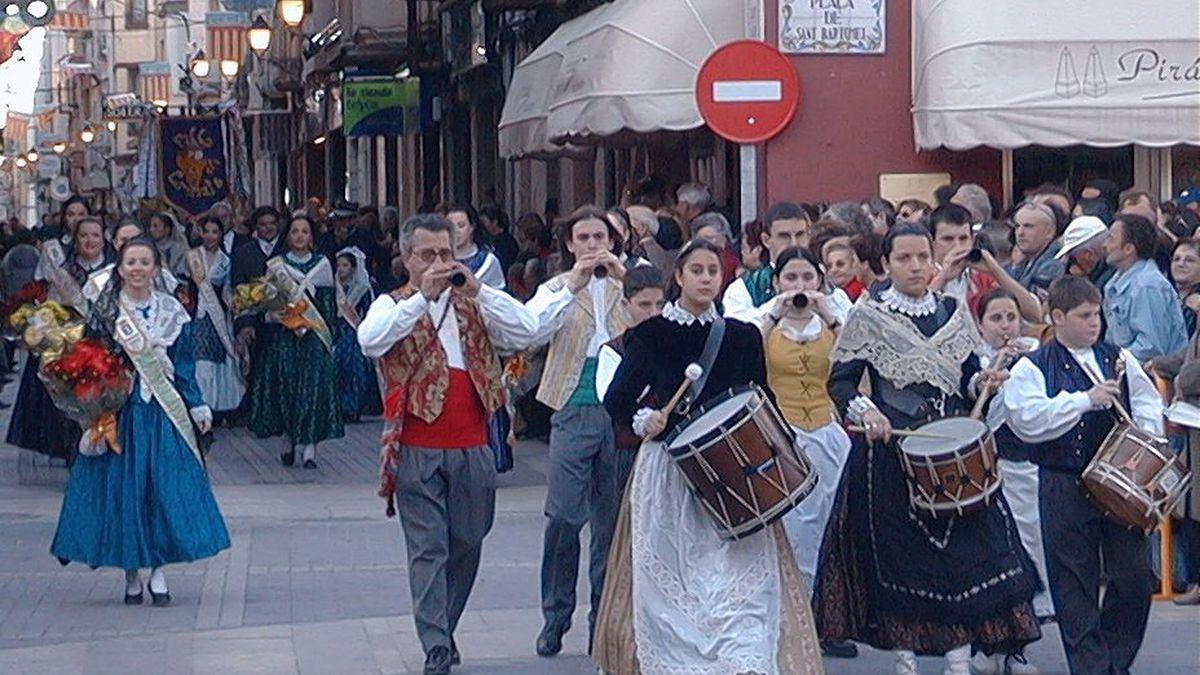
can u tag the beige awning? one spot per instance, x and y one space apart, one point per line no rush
628 66
1030 72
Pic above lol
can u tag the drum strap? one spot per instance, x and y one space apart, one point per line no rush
708 356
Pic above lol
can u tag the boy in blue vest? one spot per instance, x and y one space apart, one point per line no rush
1060 399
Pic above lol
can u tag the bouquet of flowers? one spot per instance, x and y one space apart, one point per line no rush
90 383
33 293
266 294
45 327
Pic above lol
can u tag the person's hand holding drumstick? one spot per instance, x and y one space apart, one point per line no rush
877 426
654 422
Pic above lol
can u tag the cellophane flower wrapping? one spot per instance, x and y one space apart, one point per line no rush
262 294
40 325
89 383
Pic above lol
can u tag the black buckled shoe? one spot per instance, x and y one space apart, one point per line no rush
549 641
437 661
159 599
135 598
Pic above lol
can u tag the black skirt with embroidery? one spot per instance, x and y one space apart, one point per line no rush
896 579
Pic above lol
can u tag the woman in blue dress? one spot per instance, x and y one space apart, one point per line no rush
151 504
358 385
36 424
293 389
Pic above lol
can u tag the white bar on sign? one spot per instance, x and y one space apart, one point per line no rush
747 91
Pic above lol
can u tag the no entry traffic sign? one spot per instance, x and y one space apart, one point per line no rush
747 91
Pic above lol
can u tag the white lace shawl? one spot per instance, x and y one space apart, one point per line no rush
901 353
166 321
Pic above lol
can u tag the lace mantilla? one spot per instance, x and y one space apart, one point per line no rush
908 305
901 353
162 317
673 312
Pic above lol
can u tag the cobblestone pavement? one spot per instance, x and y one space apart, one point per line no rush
315 582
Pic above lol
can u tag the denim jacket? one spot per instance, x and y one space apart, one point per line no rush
1143 312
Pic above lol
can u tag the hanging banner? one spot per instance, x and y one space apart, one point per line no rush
381 107
193 164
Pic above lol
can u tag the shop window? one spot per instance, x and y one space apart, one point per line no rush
1070 167
136 14
1185 168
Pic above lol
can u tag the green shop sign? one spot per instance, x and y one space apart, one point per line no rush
381 107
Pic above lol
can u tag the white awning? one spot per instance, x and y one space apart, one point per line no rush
625 66
1029 72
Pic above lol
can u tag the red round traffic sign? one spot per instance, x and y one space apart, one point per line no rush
747 91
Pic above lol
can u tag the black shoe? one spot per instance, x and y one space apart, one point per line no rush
549 641
135 599
455 657
839 649
288 458
310 464
159 599
437 661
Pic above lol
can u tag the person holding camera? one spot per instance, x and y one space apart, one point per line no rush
437 339
966 269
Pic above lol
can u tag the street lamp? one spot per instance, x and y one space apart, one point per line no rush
112 125
60 147
20 162
32 156
200 65
291 12
87 135
229 68
259 36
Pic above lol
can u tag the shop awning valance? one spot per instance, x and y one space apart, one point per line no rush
628 66
1029 72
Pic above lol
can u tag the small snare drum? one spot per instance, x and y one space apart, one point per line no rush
955 474
1135 478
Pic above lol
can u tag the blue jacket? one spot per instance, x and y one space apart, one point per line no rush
1143 312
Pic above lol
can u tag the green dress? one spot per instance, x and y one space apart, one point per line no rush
294 377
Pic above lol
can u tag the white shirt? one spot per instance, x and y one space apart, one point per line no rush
549 308
509 325
738 305
1036 418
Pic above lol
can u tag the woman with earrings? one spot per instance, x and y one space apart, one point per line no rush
149 505
294 383
358 384
217 368
702 603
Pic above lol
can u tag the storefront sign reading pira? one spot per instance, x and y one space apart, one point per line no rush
381 107
832 26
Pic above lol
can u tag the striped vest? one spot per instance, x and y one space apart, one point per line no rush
568 347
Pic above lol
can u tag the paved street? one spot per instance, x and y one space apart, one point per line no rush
315 583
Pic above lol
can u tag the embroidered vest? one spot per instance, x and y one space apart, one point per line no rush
418 374
1073 450
568 348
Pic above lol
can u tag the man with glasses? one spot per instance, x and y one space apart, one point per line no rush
437 339
1036 227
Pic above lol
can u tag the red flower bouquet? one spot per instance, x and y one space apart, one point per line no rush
90 383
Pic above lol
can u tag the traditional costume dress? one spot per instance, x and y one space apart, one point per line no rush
150 504
798 367
358 385
36 424
1047 406
443 379
678 598
485 266
889 576
217 368
293 385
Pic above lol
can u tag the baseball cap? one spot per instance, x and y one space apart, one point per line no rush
1189 196
1081 230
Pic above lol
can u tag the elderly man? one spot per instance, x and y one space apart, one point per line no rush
691 199
974 199
1083 251
1036 227
649 234
1140 305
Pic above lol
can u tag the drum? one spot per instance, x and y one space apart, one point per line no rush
1135 478
741 459
951 467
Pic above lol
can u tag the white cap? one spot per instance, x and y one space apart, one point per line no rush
1081 230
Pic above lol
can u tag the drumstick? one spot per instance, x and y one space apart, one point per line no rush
690 375
903 433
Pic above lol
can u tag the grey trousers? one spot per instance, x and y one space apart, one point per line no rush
446 500
587 477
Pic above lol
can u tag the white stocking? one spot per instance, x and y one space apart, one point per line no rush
133 582
158 581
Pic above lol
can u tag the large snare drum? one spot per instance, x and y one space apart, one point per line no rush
951 467
741 460
1135 478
